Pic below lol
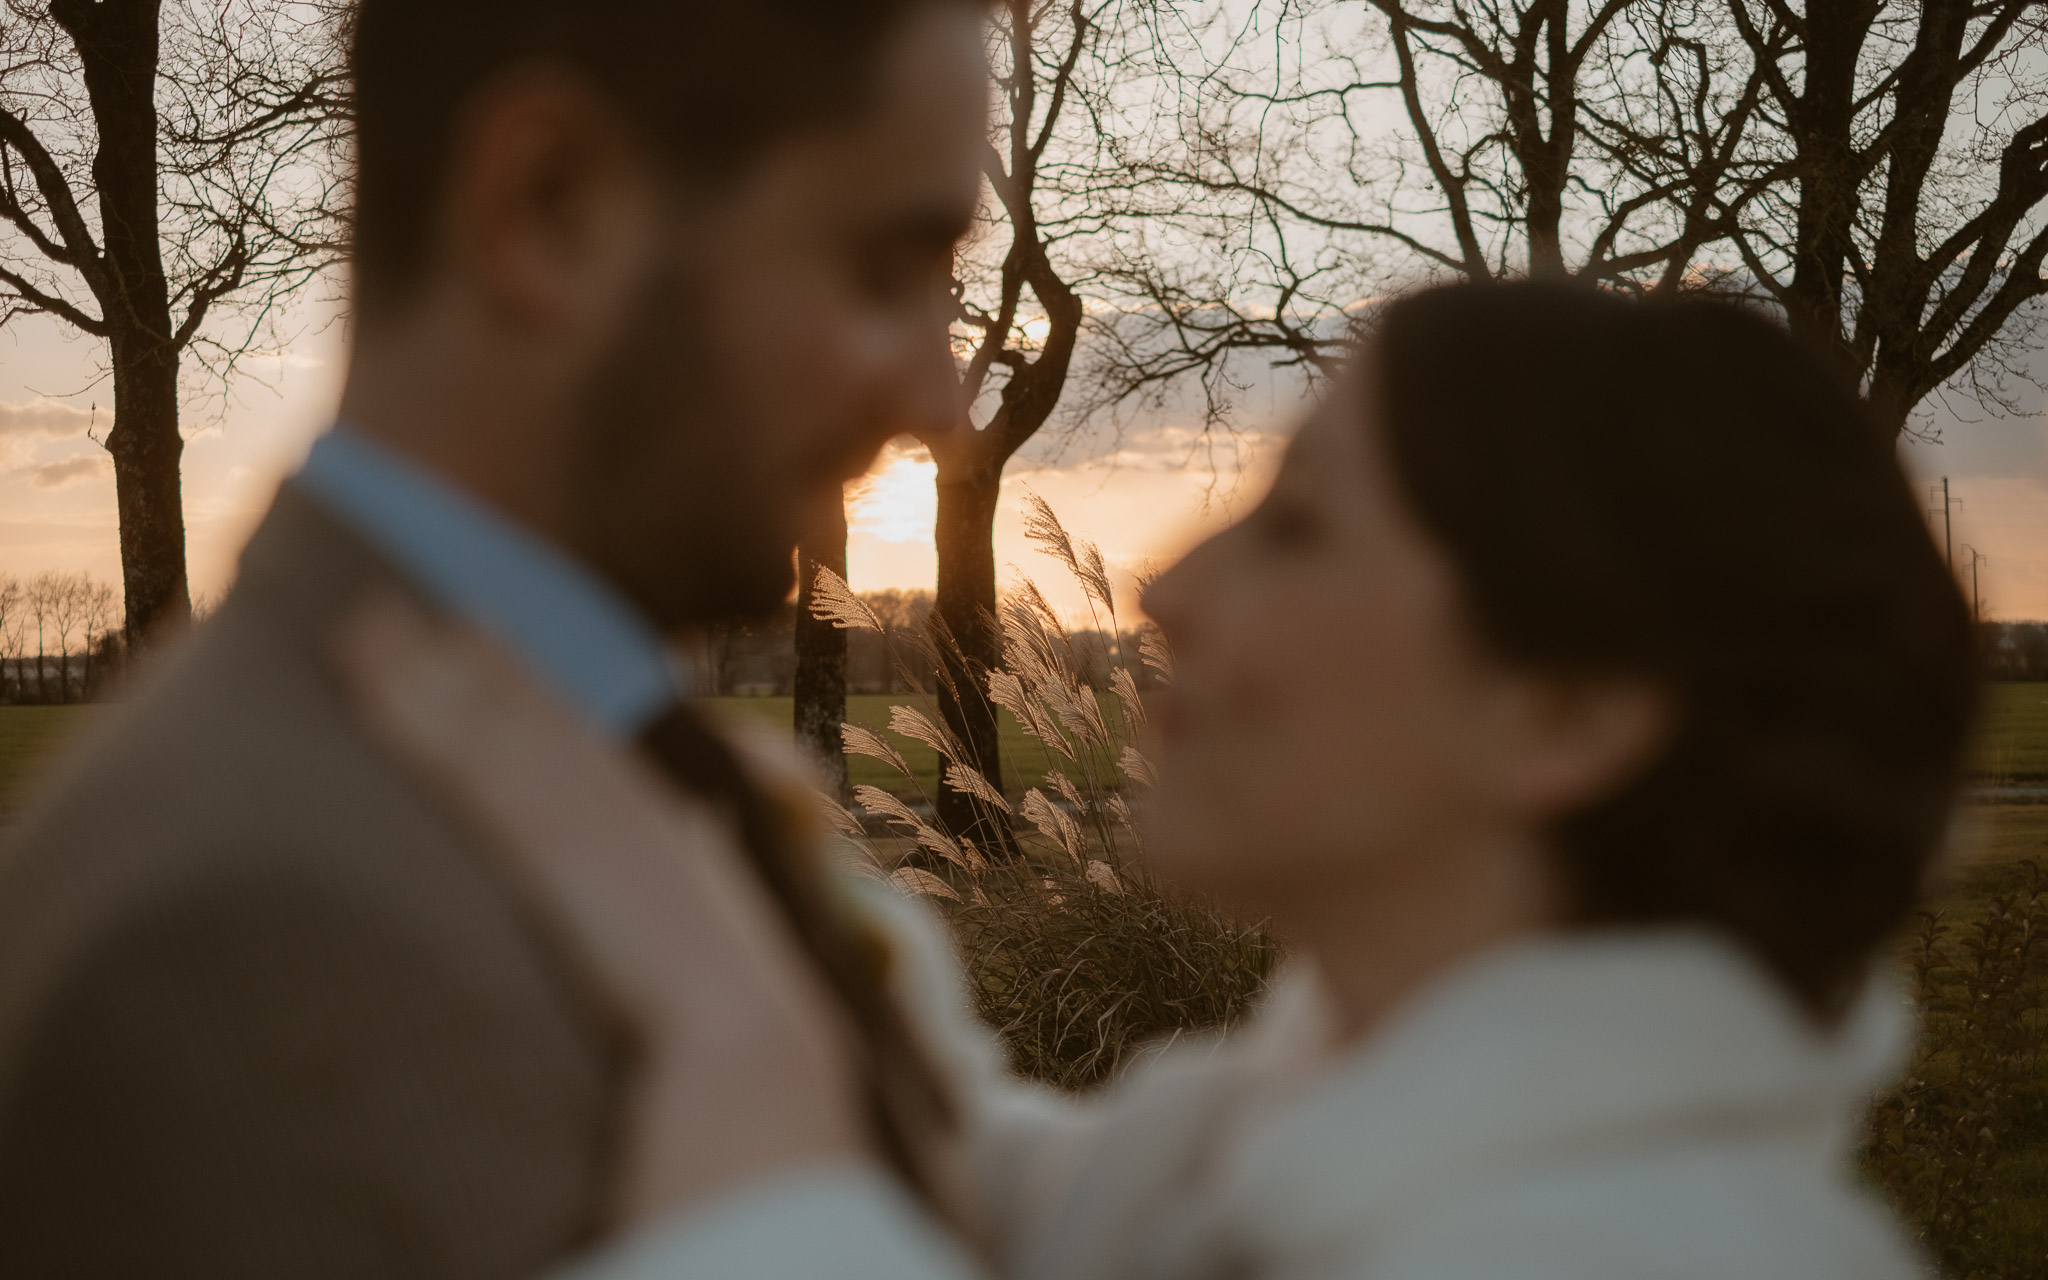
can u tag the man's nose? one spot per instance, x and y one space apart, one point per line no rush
932 403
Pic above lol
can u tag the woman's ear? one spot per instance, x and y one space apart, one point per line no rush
1584 738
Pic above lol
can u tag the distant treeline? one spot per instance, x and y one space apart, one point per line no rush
2014 650
60 637
758 658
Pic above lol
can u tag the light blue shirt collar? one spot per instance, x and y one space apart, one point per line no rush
575 632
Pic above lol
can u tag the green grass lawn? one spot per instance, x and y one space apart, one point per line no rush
1025 760
2012 740
27 735
2013 746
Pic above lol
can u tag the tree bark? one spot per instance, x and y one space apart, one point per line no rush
148 454
1822 121
970 460
971 643
821 652
117 42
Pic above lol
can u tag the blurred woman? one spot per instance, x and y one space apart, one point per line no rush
1583 706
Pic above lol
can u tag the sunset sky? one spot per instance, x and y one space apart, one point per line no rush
1144 493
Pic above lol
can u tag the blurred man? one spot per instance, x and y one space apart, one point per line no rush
637 284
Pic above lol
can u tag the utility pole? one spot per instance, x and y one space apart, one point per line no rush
1976 597
1948 528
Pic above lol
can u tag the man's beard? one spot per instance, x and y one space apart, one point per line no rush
680 503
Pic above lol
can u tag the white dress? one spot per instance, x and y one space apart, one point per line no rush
1613 1106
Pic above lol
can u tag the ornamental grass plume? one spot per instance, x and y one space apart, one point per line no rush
834 602
1077 957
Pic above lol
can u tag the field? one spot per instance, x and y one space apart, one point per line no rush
1024 759
1961 1146
27 736
2012 744
2013 747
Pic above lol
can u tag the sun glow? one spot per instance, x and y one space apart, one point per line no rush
897 501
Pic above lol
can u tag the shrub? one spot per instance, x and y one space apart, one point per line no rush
1077 978
1950 1144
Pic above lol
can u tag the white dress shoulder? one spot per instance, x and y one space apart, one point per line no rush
1578 1107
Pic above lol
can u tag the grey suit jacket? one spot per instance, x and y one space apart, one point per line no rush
264 1012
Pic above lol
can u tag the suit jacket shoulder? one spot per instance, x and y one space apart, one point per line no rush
262 1009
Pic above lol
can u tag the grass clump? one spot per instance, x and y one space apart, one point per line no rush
2012 741
1076 956
1077 977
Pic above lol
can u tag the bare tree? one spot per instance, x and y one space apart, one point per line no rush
1876 172
1021 315
69 596
1900 224
901 617
42 597
13 613
1329 150
99 618
167 178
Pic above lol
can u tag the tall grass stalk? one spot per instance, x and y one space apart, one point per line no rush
1077 956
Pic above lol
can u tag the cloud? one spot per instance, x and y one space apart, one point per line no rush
1226 454
23 426
56 475
47 418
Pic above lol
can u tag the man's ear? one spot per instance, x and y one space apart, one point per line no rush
553 204
1587 737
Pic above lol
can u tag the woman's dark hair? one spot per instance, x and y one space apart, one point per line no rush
712 83
1679 491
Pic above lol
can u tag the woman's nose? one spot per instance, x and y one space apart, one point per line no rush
930 397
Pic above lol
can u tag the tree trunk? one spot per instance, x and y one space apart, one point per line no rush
971 642
821 652
148 453
1891 401
1822 126
1547 161
117 43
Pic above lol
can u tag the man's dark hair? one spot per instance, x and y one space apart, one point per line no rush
711 83
1679 491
